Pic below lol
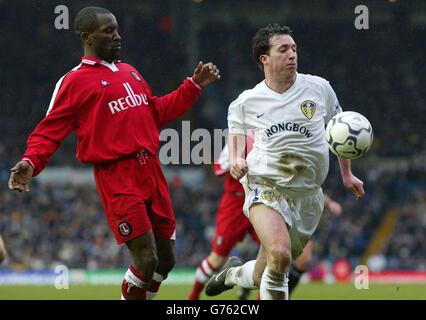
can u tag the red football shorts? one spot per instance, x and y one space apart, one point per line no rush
231 224
136 197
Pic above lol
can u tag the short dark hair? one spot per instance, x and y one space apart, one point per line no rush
261 42
87 19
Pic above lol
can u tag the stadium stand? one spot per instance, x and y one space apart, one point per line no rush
379 74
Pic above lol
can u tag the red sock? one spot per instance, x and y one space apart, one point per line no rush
196 291
202 275
134 285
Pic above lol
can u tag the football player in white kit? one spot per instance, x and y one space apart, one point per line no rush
282 175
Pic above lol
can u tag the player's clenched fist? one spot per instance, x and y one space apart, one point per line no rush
238 168
206 74
20 176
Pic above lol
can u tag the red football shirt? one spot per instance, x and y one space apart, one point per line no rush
111 109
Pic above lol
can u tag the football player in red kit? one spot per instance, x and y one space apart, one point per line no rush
116 119
231 224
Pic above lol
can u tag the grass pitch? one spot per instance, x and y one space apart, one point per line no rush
311 291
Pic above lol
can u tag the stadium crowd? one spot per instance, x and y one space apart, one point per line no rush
50 226
375 73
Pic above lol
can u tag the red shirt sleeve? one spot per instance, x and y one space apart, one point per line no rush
49 133
174 104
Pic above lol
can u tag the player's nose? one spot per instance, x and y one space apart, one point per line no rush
116 37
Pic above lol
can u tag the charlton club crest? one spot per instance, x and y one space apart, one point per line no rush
308 108
125 229
105 83
135 75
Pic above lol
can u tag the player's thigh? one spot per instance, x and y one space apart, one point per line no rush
143 246
311 210
304 260
270 227
165 247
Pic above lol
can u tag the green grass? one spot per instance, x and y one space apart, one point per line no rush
311 291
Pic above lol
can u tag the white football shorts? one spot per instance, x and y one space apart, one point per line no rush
300 208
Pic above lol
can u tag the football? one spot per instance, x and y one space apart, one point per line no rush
349 135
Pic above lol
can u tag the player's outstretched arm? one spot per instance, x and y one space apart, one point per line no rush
237 163
333 206
20 176
352 183
205 74
172 105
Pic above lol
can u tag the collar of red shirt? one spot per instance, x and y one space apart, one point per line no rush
94 60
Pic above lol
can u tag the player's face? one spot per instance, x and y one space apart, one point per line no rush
106 42
282 58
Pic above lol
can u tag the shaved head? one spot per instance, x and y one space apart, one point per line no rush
87 19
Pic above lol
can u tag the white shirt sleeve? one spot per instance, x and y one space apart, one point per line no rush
236 123
332 103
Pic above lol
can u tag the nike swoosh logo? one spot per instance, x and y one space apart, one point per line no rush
259 115
217 276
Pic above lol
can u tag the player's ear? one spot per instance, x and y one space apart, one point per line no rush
263 58
86 39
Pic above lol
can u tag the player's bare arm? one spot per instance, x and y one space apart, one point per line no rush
205 74
20 176
333 206
237 163
352 183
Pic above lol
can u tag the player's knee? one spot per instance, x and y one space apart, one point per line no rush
280 257
145 257
144 251
151 257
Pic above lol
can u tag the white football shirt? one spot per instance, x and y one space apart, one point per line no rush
290 146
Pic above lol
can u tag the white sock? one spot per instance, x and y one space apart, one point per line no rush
241 276
154 286
273 286
204 272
